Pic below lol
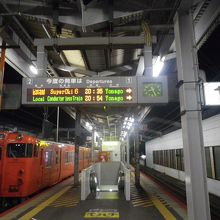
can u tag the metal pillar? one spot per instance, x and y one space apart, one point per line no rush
194 157
45 114
128 150
148 60
93 144
77 141
41 60
58 120
2 69
137 156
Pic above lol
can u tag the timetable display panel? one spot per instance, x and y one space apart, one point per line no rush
93 90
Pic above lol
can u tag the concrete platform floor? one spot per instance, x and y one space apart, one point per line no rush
62 202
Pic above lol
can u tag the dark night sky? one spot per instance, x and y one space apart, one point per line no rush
209 58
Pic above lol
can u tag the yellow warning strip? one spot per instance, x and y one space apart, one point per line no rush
142 203
136 202
43 205
162 209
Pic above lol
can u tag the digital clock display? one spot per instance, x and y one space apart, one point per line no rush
152 89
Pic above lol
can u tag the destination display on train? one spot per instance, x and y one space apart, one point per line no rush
93 90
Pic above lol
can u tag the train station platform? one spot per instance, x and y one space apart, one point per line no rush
62 202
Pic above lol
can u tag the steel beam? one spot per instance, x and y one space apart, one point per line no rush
191 120
208 17
91 42
41 61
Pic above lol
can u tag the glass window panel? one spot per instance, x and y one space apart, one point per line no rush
18 150
208 162
217 161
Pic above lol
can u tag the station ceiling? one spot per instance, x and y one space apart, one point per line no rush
31 19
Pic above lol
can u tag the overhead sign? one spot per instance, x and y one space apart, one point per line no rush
212 93
93 90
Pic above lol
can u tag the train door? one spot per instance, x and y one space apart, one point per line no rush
57 168
42 167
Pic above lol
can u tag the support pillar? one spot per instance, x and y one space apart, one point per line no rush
128 150
93 144
45 114
137 157
58 122
2 70
194 156
77 143
41 61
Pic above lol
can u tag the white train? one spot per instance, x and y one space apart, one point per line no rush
165 154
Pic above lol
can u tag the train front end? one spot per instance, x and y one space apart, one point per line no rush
18 165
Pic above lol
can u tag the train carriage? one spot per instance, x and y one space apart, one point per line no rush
28 165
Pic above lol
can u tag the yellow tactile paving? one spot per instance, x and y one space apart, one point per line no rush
152 200
64 198
68 199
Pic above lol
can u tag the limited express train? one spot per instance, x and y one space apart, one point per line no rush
165 154
28 165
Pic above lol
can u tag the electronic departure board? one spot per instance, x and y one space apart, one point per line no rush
93 90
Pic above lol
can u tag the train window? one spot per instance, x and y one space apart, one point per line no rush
172 159
166 158
69 157
217 161
157 157
35 150
208 162
57 157
18 150
179 159
182 159
48 158
0 153
154 156
161 158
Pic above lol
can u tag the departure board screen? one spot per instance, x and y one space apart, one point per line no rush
94 90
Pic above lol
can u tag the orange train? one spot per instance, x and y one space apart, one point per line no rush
28 165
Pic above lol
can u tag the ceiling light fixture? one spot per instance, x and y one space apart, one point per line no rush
158 66
33 69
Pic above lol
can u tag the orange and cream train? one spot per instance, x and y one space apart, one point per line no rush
28 164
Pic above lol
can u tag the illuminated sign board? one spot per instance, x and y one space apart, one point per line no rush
212 93
93 90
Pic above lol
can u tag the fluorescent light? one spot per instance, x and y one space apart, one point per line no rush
143 157
33 69
110 190
95 179
158 66
131 119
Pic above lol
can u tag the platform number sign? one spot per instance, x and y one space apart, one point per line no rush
212 93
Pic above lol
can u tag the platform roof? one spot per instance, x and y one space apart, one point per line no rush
24 21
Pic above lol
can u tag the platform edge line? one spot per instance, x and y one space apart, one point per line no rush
43 205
